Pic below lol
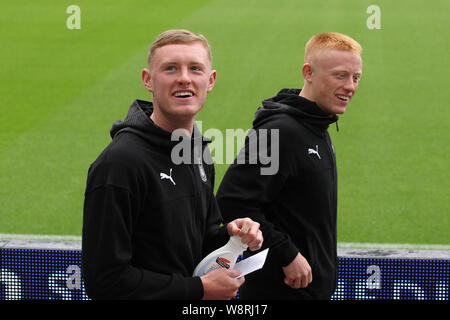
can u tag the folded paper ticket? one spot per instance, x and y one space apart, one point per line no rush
252 263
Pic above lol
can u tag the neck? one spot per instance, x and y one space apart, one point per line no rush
170 125
306 93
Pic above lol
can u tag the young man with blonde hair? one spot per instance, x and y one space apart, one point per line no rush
297 206
147 221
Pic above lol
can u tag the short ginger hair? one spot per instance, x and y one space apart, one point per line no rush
330 41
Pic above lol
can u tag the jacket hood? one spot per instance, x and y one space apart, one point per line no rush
137 121
288 101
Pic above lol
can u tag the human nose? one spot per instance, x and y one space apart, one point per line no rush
350 85
184 77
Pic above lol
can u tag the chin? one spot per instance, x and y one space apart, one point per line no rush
188 111
338 109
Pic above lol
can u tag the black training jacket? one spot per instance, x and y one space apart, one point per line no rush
296 207
147 222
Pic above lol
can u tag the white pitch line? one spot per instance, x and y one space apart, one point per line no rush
393 246
37 237
342 245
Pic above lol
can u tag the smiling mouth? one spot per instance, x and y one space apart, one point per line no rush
183 94
343 98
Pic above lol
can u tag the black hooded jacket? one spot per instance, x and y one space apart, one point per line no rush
148 222
297 205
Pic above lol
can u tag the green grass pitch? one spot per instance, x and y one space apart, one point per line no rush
61 90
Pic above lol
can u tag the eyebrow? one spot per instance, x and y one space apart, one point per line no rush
166 63
359 73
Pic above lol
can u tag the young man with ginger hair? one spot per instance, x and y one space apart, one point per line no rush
297 206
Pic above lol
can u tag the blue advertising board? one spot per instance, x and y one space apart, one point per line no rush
56 275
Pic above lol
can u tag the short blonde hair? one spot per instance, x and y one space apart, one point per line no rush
330 40
175 36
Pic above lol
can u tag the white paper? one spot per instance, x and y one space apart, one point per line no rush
252 263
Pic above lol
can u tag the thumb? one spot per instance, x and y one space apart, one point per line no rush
233 229
234 273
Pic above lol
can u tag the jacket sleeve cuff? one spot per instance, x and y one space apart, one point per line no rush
286 253
195 286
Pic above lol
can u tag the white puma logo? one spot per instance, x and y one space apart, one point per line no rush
169 177
312 151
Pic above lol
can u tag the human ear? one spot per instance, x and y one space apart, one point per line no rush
212 80
147 80
307 72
